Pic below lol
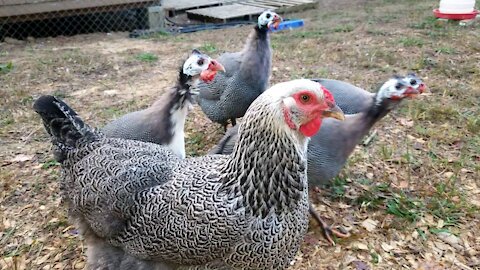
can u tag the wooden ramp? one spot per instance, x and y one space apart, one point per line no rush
224 13
247 9
173 6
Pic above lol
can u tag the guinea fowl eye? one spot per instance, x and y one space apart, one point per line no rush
305 98
200 62
268 15
413 82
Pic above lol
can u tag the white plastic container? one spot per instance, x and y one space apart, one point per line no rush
456 6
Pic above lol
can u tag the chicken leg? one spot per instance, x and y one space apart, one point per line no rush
326 230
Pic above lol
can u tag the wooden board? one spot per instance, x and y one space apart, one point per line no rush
282 5
224 13
179 5
44 7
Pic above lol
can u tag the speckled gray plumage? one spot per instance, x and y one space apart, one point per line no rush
348 97
246 77
138 205
330 148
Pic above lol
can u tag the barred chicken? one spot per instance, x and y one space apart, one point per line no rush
163 122
141 207
247 75
329 150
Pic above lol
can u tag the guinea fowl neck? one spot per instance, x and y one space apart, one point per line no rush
169 113
267 167
378 110
256 63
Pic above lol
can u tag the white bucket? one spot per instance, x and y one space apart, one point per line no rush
456 6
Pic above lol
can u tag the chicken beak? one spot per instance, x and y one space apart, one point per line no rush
216 66
333 111
275 22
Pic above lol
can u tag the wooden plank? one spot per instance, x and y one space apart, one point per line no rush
189 4
225 12
44 7
255 4
271 3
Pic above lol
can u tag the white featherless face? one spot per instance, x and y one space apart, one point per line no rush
196 63
199 64
414 81
397 88
269 19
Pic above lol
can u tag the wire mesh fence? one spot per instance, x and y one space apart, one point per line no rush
20 19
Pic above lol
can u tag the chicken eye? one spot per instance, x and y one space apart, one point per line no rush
398 86
268 15
413 82
200 62
305 98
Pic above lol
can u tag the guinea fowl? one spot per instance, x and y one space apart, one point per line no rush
163 122
352 99
247 75
329 150
141 207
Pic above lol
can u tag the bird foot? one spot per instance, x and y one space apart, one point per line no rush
327 231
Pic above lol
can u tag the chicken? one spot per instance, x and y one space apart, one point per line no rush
329 150
163 122
141 207
247 75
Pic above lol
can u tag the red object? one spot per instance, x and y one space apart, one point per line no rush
451 16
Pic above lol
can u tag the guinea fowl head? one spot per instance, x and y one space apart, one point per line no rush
414 81
268 20
200 65
398 88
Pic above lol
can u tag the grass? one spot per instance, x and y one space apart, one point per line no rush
147 57
411 42
208 48
5 68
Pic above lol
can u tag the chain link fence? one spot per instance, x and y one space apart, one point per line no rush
20 19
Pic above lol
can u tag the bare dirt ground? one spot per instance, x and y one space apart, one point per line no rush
410 198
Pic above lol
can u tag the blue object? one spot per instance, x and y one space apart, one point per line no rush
288 25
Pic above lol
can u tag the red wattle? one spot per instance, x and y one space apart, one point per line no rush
311 128
207 75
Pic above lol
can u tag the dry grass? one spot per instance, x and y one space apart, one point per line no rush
410 199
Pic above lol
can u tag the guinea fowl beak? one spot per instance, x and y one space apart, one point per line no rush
411 92
209 74
422 88
333 111
216 66
275 22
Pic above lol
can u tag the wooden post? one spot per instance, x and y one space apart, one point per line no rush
156 18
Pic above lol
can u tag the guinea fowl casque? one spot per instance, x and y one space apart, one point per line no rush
163 122
329 150
141 207
246 77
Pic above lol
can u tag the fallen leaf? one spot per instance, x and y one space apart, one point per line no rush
440 223
369 224
387 247
358 245
451 239
22 158
360 265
